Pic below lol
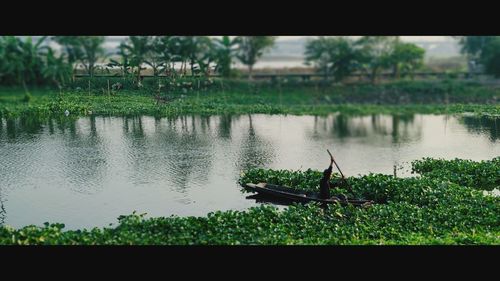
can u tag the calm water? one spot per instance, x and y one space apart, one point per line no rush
86 173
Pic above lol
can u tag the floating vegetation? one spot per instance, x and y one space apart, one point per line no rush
430 209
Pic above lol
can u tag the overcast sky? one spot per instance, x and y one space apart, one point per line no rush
405 38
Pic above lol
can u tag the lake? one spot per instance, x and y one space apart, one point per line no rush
86 173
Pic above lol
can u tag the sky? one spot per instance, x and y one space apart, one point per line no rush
404 38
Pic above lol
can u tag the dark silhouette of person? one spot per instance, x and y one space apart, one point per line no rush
325 185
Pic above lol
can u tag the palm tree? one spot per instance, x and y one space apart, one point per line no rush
56 69
224 52
85 49
204 55
164 47
136 48
22 60
123 63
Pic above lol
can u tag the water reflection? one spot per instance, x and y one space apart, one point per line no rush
3 213
86 172
83 156
482 125
255 150
25 127
224 129
178 151
401 128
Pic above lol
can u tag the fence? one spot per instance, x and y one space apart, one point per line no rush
310 76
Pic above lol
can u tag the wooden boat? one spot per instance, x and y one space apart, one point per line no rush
288 193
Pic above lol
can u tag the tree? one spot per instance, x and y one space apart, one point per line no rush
490 56
204 55
179 51
224 52
406 58
155 54
123 63
84 49
22 61
25 62
474 45
251 48
333 55
136 49
12 66
70 47
165 49
56 68
376 53
185 50
480 49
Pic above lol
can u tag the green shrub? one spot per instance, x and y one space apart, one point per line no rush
27 97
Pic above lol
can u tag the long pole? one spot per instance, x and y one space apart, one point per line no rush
335 163
343 178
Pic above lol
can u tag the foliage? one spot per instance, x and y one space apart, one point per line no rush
483 175
484 50
24 62
337 56
474 45
84 49
342 56
251 48
376 53
205 96
224 52
490 57
135 49
417 211
27 97
406 58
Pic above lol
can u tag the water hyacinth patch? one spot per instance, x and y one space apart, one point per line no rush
237 97
483 175
421 210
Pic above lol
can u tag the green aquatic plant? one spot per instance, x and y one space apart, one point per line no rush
420 210
482 175
27 97
204 96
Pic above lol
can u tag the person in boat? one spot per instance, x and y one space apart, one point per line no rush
325 184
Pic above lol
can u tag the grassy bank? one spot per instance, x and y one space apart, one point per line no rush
232 97
434 208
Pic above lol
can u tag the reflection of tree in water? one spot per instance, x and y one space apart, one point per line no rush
482 125
224 126
132 126
133 132
177 150
339 125
342 127
255 151
3 213
400 127
404 129
205 124
23 127
83 156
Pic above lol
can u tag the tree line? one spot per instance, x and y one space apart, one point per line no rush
25 62
482 51
339 57
28 62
